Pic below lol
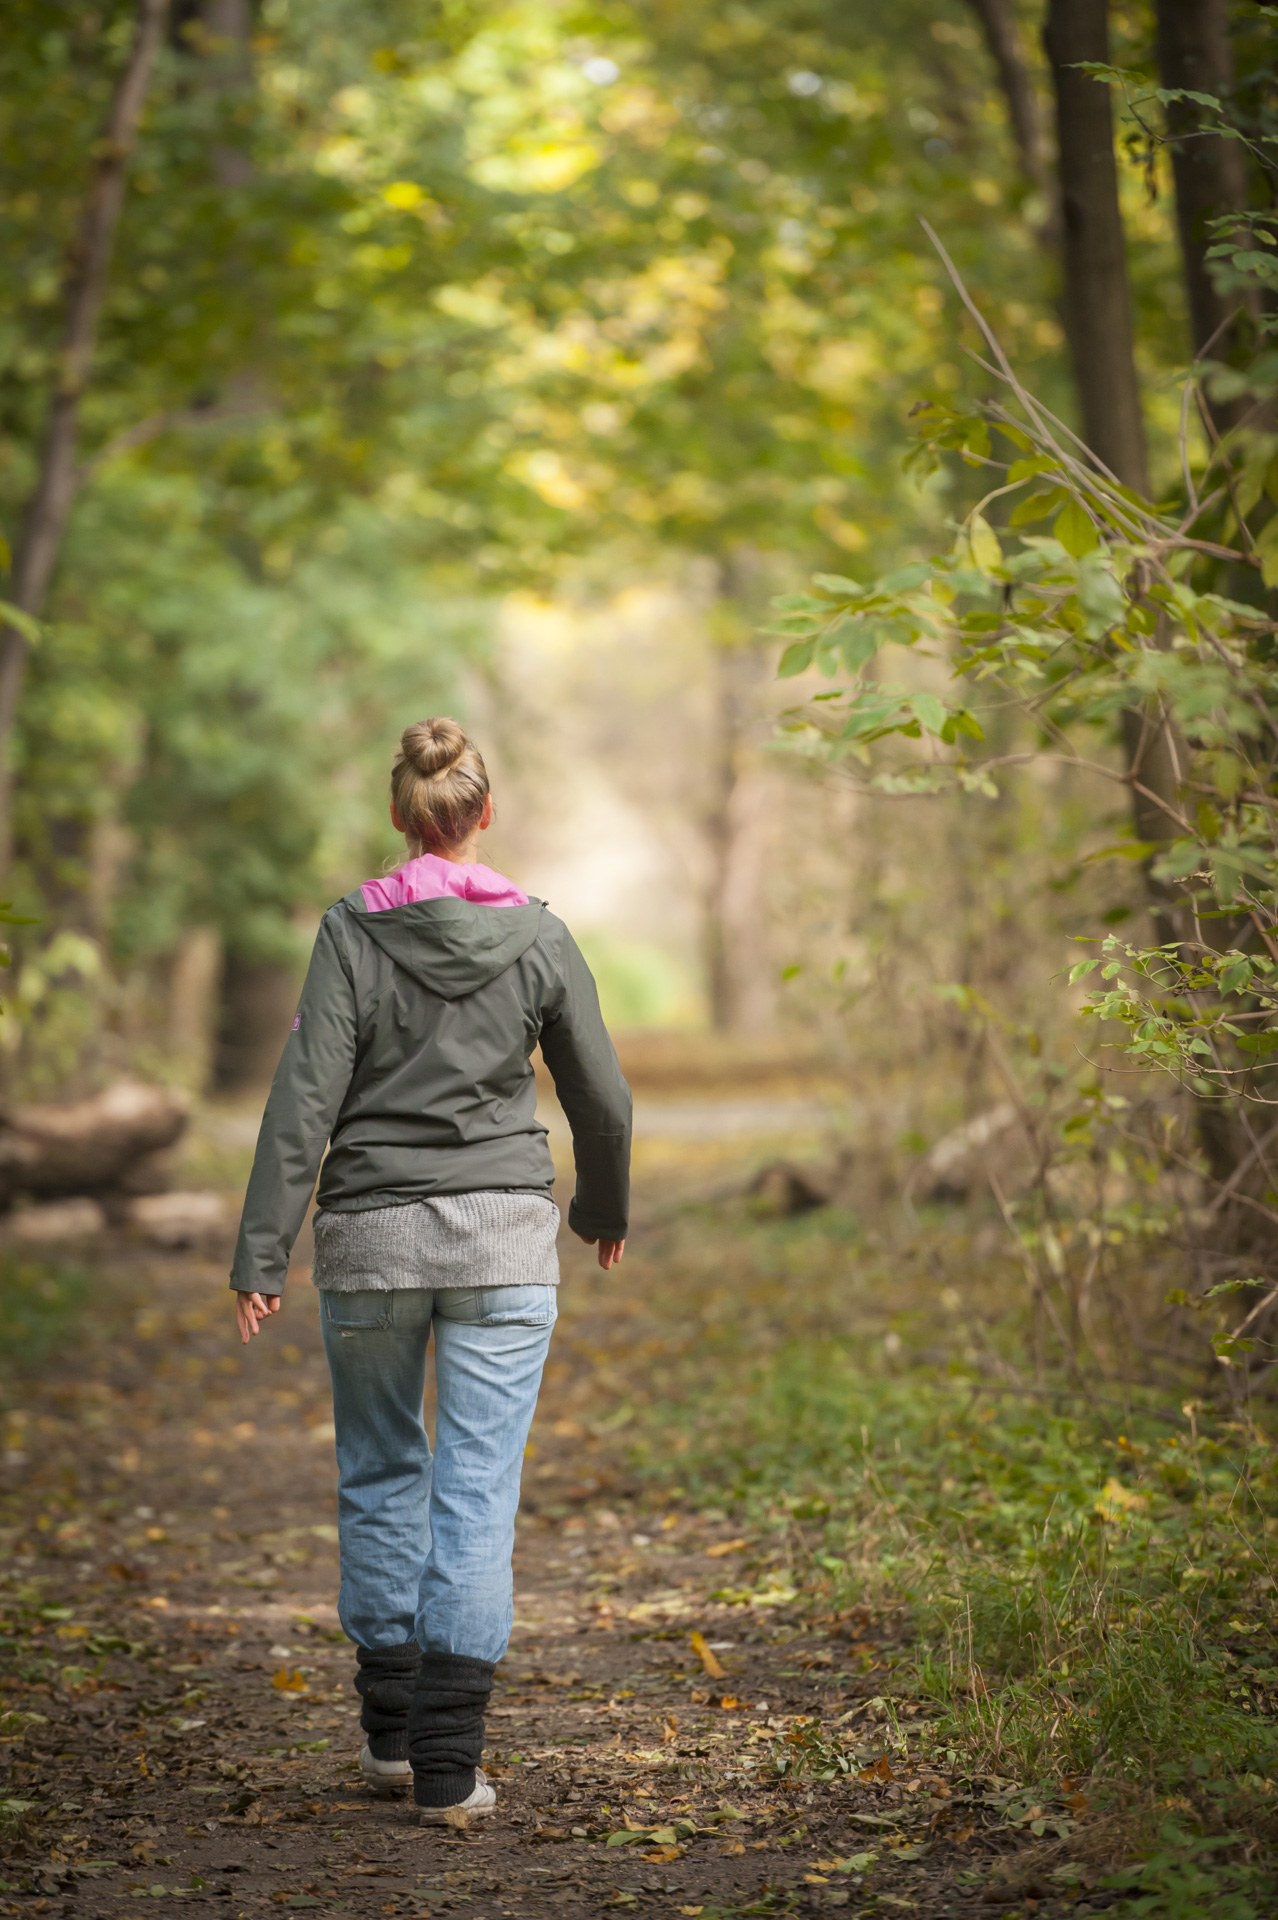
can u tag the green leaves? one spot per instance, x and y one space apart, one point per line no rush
1076 530
1073 634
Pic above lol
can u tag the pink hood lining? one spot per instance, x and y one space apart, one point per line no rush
430 878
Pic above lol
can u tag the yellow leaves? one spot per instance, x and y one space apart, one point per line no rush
549 476
404 194
543 165
722 1547
345 159
978 545
701 1647
286 1680
640 114
840 368
479 305
1115 1500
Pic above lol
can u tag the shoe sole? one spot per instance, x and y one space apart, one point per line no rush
387 1786
452 1816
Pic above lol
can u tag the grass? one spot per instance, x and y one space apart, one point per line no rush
41 1302
1082 1592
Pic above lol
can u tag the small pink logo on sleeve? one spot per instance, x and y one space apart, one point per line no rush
297 1022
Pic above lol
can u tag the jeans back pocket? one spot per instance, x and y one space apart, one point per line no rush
353 1312
499 1306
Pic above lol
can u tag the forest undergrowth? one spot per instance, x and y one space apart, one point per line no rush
1081 1569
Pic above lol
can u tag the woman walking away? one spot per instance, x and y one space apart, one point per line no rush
410 1060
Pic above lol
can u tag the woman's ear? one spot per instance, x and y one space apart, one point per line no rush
396 822
486 817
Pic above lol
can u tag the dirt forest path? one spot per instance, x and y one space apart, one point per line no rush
169 1533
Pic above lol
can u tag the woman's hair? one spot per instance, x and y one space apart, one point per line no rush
438 784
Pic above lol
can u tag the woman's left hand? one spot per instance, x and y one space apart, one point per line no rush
610 1251
251 1309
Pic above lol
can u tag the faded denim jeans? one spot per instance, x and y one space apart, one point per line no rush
426 1542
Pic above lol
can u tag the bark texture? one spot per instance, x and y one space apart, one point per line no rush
1097 299
1194 53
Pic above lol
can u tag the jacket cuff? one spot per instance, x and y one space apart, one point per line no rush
594 1226
254 1283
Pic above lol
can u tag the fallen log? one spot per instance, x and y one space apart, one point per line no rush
958 1164
88 1146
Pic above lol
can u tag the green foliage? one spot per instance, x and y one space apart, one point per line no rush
1183 1880
40 1303
1070 630
1075 1597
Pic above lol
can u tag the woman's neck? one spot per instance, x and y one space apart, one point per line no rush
463 854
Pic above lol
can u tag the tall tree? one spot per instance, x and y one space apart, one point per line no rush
1195 56
44 522
1002 33
1097 298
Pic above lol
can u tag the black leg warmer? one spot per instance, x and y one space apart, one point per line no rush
446 1726
385 1684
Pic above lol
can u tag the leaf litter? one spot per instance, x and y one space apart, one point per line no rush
208 1727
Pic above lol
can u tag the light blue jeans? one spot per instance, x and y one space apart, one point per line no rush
426 1542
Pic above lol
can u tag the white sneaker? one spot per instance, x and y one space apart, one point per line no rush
385 1776
481 1799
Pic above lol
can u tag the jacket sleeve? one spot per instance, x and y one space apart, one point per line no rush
595 1099
306 1096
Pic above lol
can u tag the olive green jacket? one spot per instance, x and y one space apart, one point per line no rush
410 1059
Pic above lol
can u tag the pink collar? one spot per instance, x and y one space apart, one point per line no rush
430 878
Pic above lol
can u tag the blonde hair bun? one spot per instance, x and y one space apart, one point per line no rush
438 784
433 745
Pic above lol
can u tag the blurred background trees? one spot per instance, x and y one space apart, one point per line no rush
511 359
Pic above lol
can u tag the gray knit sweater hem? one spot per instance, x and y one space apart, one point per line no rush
486 1239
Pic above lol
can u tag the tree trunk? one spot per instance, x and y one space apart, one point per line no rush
1194 53
1098 323
1097 300
732 718
45 520
255 1012
1003 38
732 921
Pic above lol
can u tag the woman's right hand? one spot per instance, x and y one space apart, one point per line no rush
610 1251
251 1309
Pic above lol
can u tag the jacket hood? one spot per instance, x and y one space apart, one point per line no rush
450 945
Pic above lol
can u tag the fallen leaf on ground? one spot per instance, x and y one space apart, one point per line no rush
721 1547
287 1681
701 1647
